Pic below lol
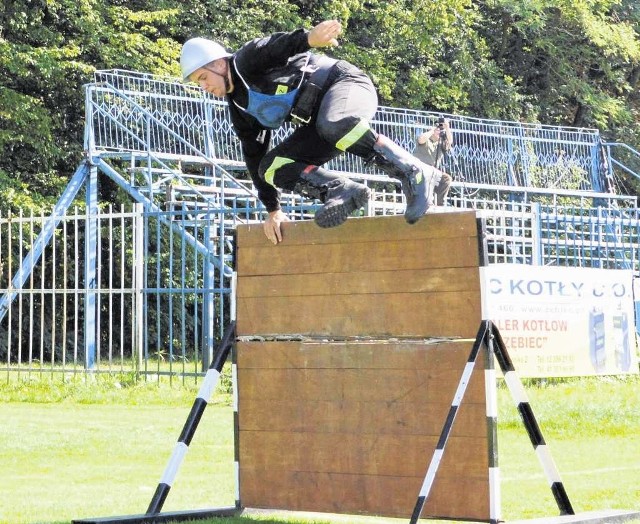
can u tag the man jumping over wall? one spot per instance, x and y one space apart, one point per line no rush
276 79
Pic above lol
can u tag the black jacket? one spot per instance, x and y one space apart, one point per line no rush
264 63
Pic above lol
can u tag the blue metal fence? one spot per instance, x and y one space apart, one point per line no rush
154 297
141 113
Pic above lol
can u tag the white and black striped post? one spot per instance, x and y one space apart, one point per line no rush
234 382
236 427
190 426
446 430
491 399
521 401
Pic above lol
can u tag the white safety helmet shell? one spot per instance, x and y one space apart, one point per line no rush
198 52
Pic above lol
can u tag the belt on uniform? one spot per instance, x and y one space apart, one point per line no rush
305 105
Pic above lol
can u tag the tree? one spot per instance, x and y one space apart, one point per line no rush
47 52
564 62
572 58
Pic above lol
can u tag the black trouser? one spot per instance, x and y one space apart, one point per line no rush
341 124
442 189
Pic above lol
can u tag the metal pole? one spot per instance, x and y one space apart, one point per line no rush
190 426
521 401
138 282
90 270
448 424
44 237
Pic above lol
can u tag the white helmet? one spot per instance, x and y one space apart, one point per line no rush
198 52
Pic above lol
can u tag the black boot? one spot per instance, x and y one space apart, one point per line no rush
340 196
418 179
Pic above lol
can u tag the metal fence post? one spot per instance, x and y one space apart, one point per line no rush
138 284
536 235
90 270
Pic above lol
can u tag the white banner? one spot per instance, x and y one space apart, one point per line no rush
559 321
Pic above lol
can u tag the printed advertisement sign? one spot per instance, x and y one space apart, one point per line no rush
559 321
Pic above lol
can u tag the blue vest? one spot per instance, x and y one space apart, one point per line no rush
270 110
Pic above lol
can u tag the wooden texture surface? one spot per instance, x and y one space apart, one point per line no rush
346 420
369 277
350 427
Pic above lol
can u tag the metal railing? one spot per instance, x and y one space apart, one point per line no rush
154 292
486 153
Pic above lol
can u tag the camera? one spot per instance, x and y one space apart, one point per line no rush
441 122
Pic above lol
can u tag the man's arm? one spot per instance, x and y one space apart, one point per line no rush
254 142
448 142
422 139
276 49
262 54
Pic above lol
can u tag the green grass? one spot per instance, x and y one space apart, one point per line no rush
76 450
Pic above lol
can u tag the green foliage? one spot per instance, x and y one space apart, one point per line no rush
125 388
232 22
568 63
48 51
572 58
16 195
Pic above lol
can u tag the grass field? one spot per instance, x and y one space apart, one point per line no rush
77 451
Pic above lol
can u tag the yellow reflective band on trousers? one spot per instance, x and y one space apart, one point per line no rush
353 136
277 163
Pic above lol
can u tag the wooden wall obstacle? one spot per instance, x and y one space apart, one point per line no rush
362 393
351 344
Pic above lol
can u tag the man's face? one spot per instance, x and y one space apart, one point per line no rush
435 136
211 77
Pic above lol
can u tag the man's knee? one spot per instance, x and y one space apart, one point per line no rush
352 134
332 129
272 165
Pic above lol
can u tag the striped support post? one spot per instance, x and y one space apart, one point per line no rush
524 408
234 382
204 394
491 397
236 427
446 430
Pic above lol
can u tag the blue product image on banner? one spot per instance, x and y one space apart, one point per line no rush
597 346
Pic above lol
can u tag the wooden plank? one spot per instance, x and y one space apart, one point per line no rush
448 279
388 254
368 454
440 225
420 315
337 427
360 417
460 498
415 386
360 354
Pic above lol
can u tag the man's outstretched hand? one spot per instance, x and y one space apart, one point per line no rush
271 226
325 34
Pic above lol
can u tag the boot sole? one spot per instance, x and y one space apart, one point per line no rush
332 215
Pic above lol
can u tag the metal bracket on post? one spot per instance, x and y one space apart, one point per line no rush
448 424
190 426
521 401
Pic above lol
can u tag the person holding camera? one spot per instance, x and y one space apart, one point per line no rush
277 79
431 147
